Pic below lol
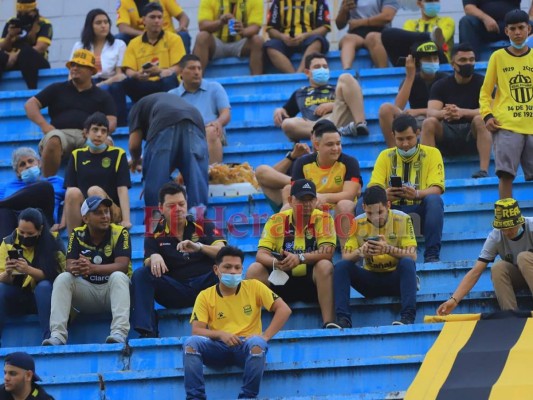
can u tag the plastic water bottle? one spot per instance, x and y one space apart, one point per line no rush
231 27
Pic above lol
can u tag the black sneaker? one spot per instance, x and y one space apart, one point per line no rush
480 174
362 129
404 321
431 259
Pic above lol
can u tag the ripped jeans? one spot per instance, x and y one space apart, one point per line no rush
216 353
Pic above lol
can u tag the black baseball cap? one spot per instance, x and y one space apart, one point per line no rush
303 187
22 360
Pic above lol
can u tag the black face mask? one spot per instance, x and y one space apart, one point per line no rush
26 20
28 241
466 70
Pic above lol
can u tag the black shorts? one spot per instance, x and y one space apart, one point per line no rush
364 30
457 140
299 288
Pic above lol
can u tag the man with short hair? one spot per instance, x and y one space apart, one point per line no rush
97 170
178 260
175 138
421 72
69 105
292 31
217 40
20 378
511 240
25 41
454 123
130 23
96 278
226 327
300 243
342 104
508 114
151 59
336 175
210 98
413 176
384 242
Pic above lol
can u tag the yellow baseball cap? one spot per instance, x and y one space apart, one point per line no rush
85 58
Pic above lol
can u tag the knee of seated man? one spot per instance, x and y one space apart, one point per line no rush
118 277
258 345
524 259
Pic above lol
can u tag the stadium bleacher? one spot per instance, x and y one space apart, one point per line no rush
371 361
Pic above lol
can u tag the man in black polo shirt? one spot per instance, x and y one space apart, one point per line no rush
178 261
69 104
96 278
97 170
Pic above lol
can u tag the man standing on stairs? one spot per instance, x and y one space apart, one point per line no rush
413 176
226 327
298 245
509 116
342 105
69 105
378 259
511 240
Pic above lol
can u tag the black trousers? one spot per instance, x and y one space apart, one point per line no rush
29 62
398 43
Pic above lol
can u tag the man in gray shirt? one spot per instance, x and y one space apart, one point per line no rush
512 240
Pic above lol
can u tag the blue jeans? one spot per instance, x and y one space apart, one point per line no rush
473 31
137 89
15 300
216 353
431 212
400 282
181 146
167 291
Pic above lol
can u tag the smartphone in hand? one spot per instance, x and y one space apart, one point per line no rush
277 256
396 182
147 65
373 238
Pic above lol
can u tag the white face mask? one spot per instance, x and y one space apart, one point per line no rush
278 277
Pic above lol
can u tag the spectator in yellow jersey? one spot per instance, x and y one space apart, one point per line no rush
365 20
509 115
430 26
295 252
25 41
151 60
413 176
296 27
226 327
378 259
230 28
336 175
130 23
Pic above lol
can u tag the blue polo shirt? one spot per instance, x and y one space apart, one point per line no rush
209 99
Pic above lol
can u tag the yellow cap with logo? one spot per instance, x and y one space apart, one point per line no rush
507 214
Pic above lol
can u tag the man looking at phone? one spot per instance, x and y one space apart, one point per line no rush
413 176
295 252
25 41
151 60
384 242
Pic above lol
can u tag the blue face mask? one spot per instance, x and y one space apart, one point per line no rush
520 231
519 46
93 147
31 174
320 76
430 68
431 9
407 153
231 280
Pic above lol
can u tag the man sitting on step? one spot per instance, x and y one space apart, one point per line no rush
378 259
342 105
512 240
295 252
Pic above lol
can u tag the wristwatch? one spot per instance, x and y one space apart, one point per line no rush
302 258
288 155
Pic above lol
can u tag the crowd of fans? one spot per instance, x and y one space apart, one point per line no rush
316 191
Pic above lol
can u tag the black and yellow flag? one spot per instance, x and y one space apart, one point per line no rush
478 357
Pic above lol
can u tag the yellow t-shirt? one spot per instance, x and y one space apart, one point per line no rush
423 169
447 24
513 104
127 13
166 52
249 12
28 253
239 314
280 233
398 232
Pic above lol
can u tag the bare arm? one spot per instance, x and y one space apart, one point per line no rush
405 90
128 30
183 20
224 116
135 147
350 191
33 111
41 47
112 119
282 313
435 109
124 201
210 250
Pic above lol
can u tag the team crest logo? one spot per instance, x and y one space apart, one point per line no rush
221 315
247 309
521 88
108 250
338 180
308 234
106 162
309 9
416 165
194 237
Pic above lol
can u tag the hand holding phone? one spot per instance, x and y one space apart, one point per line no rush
373 238
147 65
277 256
14 254
396 182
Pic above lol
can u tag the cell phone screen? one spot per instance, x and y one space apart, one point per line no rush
13 254
277 256
396 181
